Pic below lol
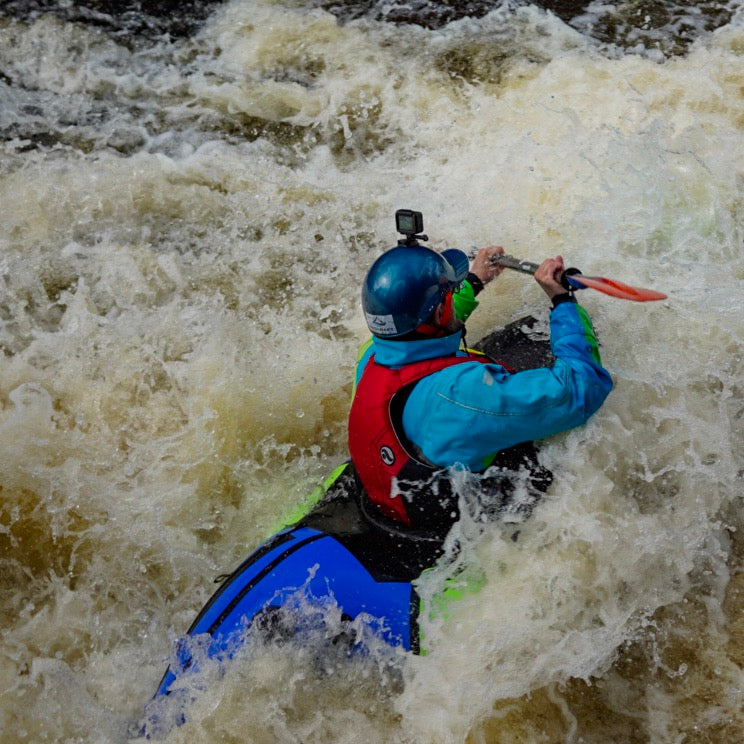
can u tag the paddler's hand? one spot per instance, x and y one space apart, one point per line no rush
482 266
548 276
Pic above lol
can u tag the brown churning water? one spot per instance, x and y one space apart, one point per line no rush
184 227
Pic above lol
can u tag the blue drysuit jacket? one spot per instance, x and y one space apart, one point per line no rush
466 413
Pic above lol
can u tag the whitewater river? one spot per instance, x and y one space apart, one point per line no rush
187 209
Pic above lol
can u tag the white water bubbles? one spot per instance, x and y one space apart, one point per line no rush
168 307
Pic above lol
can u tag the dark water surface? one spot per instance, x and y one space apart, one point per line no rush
669 27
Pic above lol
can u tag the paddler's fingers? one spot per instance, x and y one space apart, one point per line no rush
482 265
548 276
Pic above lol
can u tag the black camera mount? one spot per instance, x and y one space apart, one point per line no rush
411 224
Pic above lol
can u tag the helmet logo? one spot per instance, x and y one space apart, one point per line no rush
381 325
387 455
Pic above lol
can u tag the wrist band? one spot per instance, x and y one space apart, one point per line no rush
475 282
561 298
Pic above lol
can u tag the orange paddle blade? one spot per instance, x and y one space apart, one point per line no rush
616 289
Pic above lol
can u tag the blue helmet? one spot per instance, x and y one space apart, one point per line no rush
405 285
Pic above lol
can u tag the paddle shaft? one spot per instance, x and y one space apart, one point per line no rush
517 264
528 267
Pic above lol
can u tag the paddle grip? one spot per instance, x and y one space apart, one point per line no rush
566 283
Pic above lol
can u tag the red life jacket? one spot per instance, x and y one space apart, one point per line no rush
389 470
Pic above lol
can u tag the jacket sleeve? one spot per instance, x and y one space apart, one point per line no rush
467 413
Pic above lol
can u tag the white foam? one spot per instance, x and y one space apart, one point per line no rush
180 320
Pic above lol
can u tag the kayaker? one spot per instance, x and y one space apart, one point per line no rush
424 405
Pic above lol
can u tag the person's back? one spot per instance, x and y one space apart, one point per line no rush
423 405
